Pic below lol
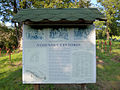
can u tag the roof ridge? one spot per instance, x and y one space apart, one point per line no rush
57 8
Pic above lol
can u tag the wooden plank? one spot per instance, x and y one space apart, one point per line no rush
36 87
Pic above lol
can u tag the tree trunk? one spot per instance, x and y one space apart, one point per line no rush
20 44
20 25
75 2
108 35
87 4
107 31
15 7
0 52
81 4
25 4
15 25
16 32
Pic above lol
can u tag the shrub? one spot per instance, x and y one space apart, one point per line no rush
7 38
115 38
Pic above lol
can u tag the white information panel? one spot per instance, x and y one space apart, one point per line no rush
59 55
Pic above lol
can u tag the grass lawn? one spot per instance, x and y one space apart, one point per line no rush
108 72
10 74
108 68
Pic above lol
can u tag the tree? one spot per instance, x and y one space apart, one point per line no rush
8 39
10 7
100 29
84 3
111 8
55 3
47 3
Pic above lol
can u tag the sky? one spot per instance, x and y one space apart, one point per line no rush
92 1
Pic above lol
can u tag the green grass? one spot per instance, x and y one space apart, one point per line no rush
108 72
11 74
3 52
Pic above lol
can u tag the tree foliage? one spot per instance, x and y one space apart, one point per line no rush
6 10
55 3
10 7
111 9
7 37
100 29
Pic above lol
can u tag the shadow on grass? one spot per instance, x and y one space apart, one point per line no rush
4 61
13 81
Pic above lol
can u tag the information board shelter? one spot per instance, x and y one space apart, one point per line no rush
59 45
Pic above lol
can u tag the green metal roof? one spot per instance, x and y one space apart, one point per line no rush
56 14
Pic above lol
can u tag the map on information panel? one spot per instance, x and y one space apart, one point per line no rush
59 55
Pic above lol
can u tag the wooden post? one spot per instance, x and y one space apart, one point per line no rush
9 55
110 43
105 46
36 87
6 51
102 45
0 51
83 86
